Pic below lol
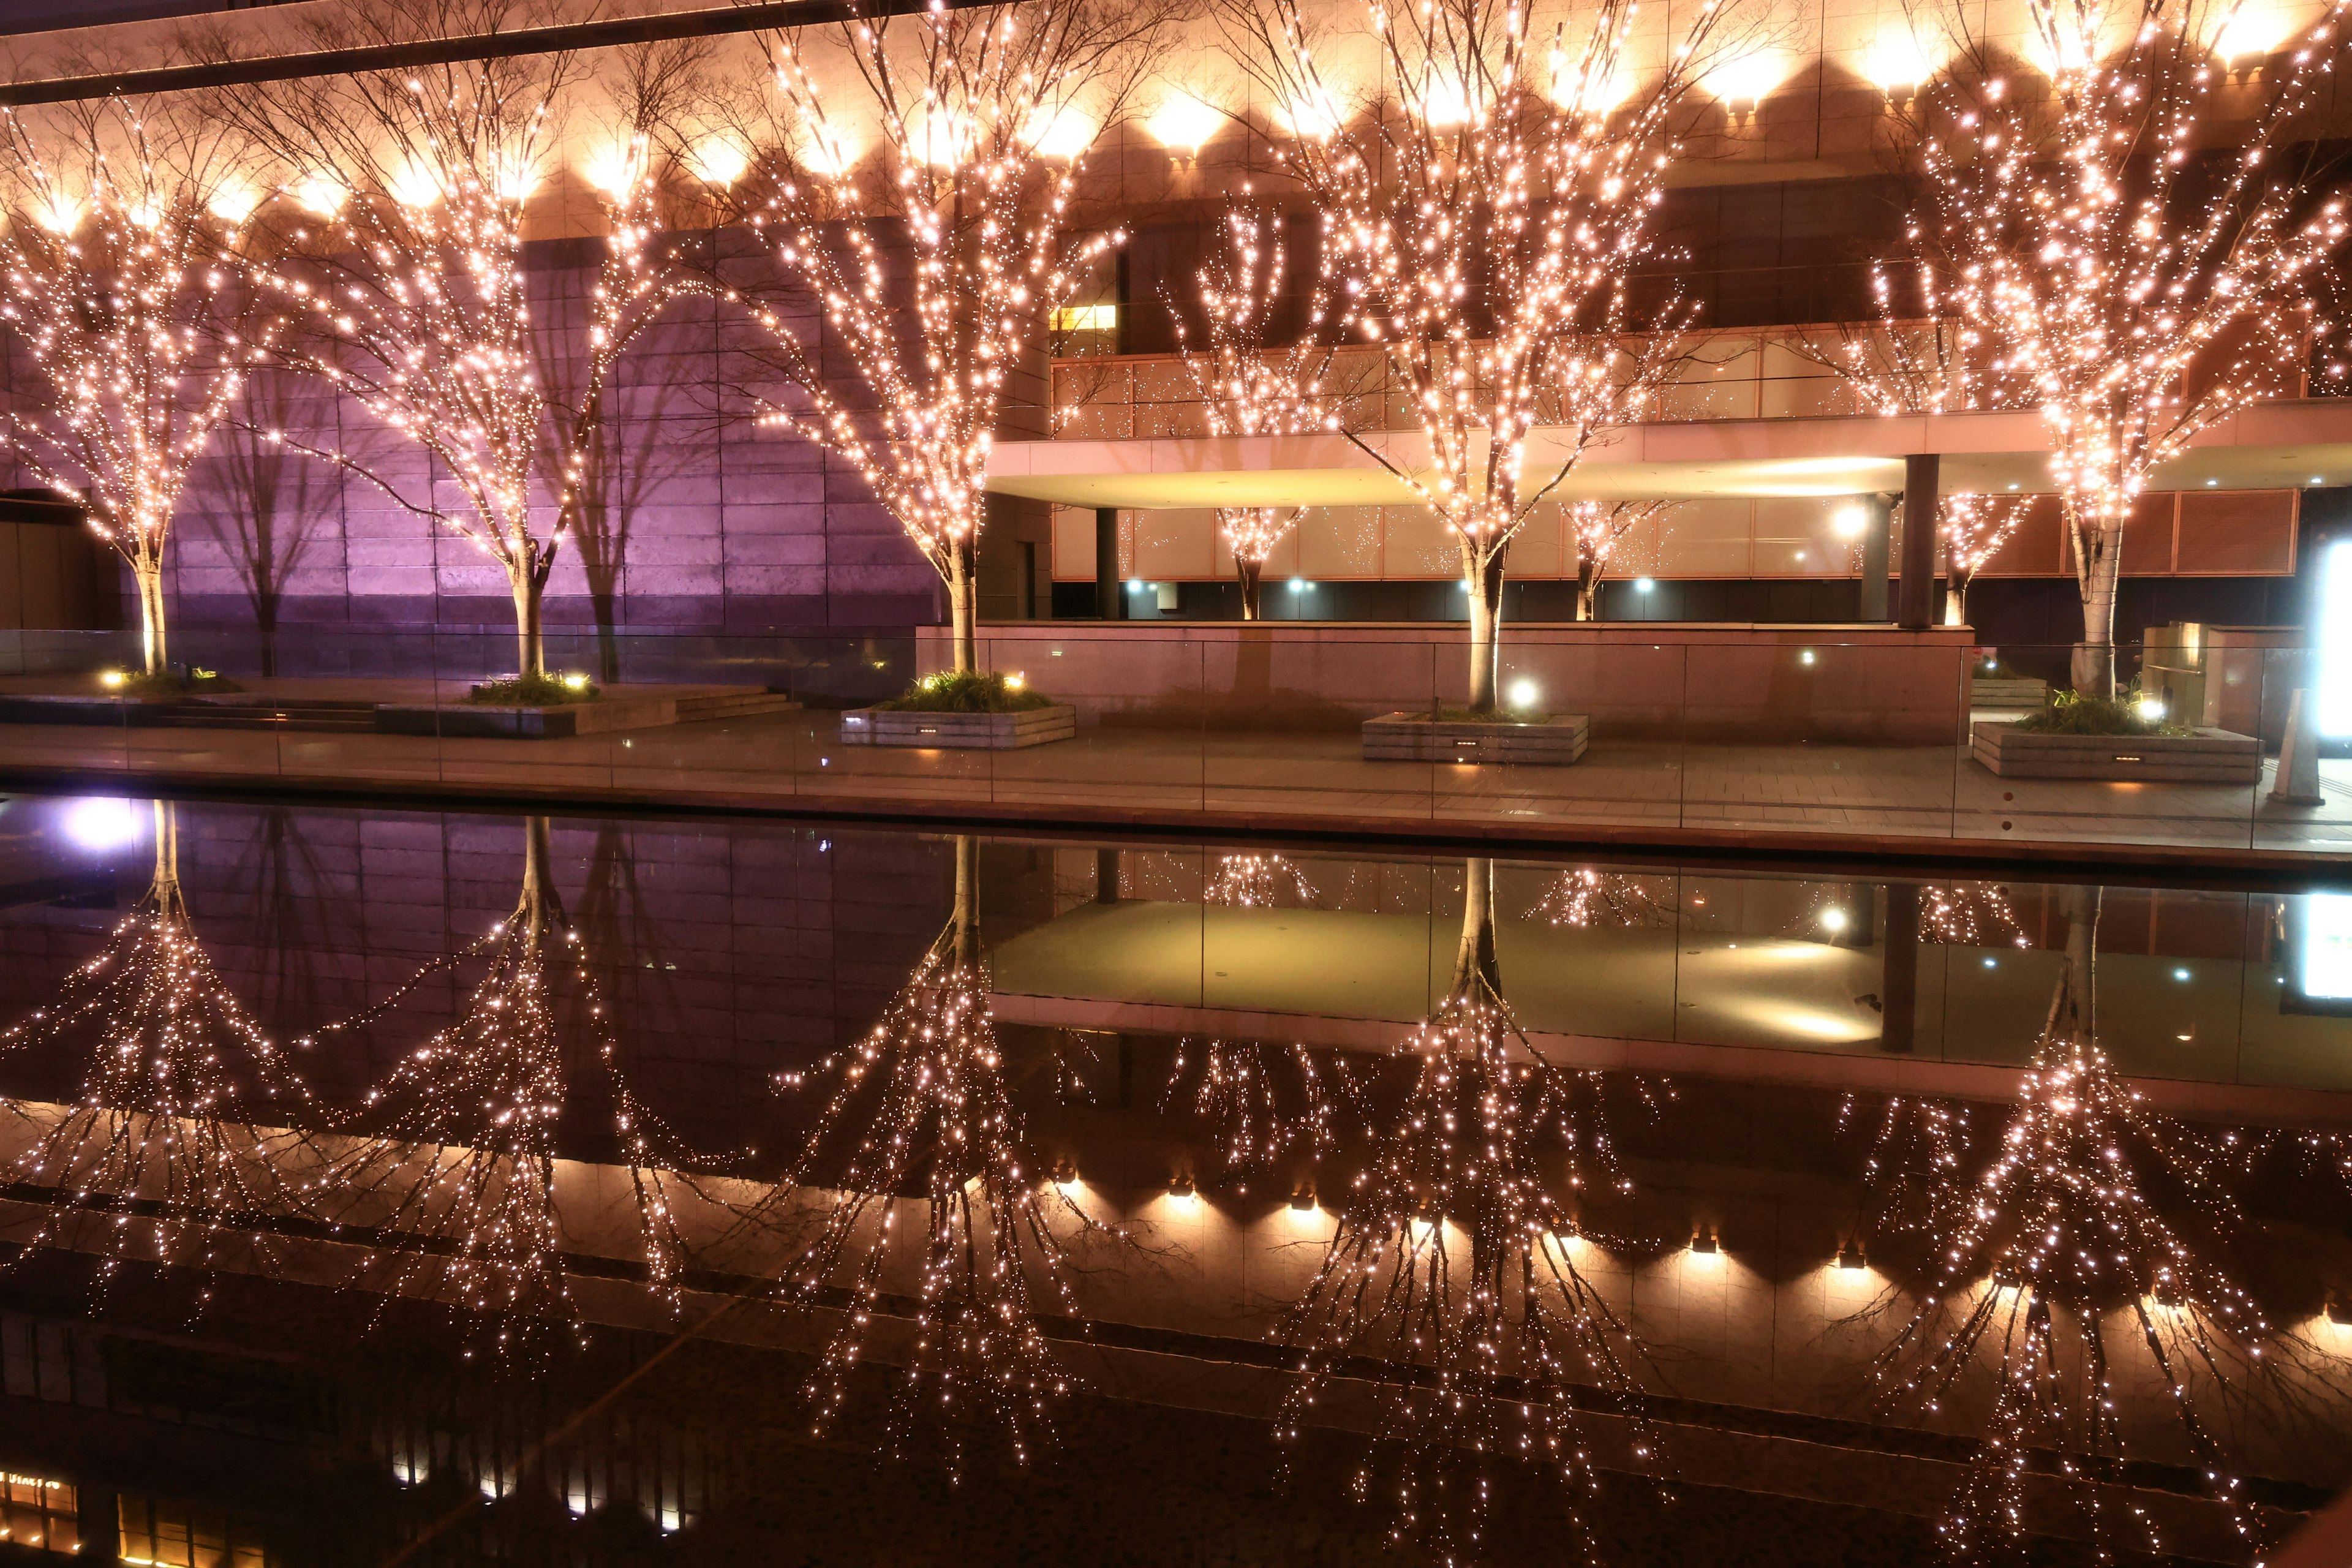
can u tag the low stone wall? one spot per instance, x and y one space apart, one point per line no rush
1719 683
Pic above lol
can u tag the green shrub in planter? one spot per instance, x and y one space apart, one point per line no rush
534 691
951 692
2074 713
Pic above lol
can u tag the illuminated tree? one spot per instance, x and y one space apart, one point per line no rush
1595 530
457 1148
1452 1271
2082 1218
1255 879
1975 527
407 272
1260 1101
1247 388
173 1143
918 1139
2125 252
1585 899
124 284
937 255
1480 224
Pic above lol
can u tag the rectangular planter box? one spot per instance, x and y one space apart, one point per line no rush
2209 757
959 731
1555 742
2008 692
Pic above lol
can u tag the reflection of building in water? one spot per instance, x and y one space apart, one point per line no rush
1760 1337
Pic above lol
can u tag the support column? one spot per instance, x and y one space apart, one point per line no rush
1878 515
1898 985
1110 594
1915 604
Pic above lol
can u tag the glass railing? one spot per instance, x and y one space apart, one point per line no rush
1715 734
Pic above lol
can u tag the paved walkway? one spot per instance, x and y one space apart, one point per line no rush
1924 797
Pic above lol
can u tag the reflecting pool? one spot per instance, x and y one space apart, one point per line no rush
387 1186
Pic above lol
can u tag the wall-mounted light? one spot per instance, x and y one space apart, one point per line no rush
1852 522
1179 1186
1303 1200
1183 124
1703 1242
1850 1254
2339 1311
1642 585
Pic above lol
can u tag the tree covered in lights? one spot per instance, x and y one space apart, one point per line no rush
458 1147
1483 213
2086 1258
189 1121
937 1223
402 260
125 289
1248 388
1597 530
2132 251
1975 527
1452 1280
915 175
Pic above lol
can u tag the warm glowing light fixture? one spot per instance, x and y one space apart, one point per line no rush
1703 1242
718 161
1061 131
1315 116
1897 60
1523 693
321 194
1183 124
1746 80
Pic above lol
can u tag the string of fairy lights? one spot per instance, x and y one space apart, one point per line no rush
937 264
406 271
2108 257
160 1154
1484 235
1453 1274
2073 1243
918 1139
1245 387
125 287
1974 529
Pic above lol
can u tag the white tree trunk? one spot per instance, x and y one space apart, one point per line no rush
1485 575
531 648
961 627
1250 573
2098 566
149 581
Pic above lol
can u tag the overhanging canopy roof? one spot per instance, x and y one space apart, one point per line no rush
2283 445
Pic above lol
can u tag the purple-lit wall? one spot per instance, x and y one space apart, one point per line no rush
701 525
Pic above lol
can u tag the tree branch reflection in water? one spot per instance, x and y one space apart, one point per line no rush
936 1192
1451 1281
2066 1233
458 1170
157 1154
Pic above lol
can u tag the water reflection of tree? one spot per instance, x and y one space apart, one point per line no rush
1261 1102
1449 1281
1587 899
174 1141
1257 880
926 1155
457 1170
2095 1214
1969 914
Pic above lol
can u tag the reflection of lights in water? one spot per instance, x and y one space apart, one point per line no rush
103 823
2326 955
2181 974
